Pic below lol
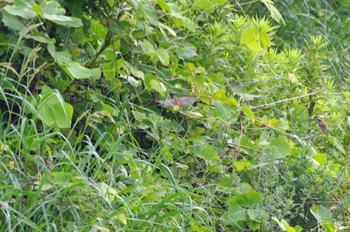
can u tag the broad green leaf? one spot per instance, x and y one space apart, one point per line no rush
221 95
253 225
257 215
140 116
187 52
243 188
53 11
78 71
236 212
53 110
323 217
209 153
249 199
109 71
121 27
96 73
163 56
40 37
148 47
223 111
150 13
279 148
152 83
321 213
158 86
12 21
251 39
63 114
21 8
255 39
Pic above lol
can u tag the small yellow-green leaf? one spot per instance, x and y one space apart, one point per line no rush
248 112
289 229
122 218
320 158
38 10
241 165
164 5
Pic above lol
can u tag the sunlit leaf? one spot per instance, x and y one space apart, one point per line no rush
320 158
163 56
248 112
241 165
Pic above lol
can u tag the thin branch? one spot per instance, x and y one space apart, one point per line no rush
280 131
284 100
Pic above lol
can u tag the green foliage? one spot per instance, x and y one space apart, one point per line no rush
171 116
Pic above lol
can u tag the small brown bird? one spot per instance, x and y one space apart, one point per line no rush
322 125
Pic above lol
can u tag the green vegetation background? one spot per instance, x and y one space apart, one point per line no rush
159 115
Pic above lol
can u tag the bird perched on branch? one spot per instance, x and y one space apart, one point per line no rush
322 125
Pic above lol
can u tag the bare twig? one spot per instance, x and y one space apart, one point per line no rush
284 100
280 131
